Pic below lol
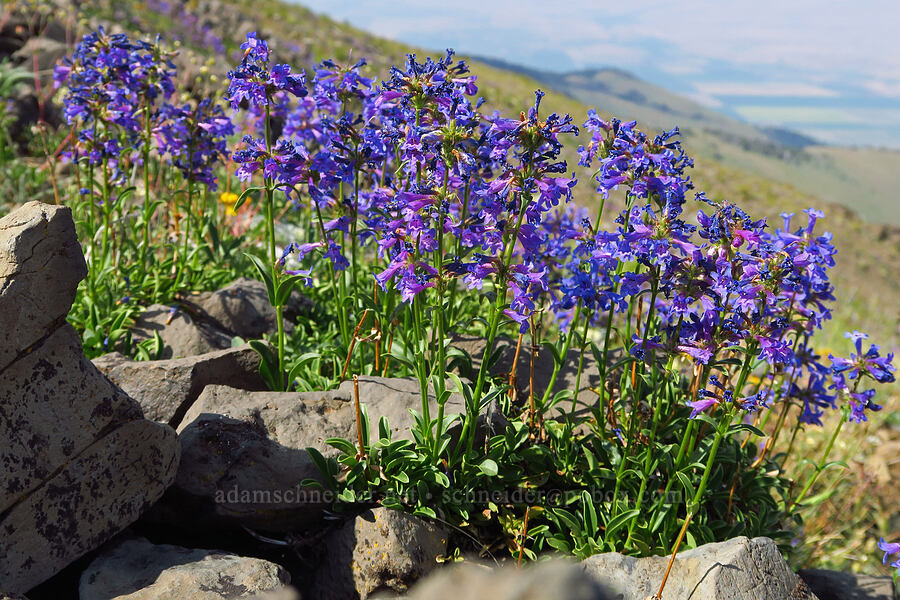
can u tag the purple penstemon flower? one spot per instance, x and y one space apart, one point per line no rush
255 83
704 402
889 550
869 363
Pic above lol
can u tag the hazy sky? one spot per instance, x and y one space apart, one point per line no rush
830 69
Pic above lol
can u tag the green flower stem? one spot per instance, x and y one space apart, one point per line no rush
270 232
418 333
584 345
678 459
91 206
441 367
342 316
602 366
468 434
557 366
107 213
453 313
821 465
649 456
353 241
187 230
145 248
721 430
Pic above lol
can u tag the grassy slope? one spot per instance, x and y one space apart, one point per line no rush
865 278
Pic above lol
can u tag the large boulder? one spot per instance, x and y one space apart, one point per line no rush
244 453
78 462
736 569
135 569
379 550
165 389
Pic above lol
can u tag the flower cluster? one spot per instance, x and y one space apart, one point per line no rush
254 83
890 549
444 192
117 94
194 138
849 374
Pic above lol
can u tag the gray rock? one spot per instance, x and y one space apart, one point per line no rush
138 570
98 493
543 368
184 332
244 453
165 389
208 321
45 50
40 266
737 569
53 406
539 581
835 585
78 462
380 550
243 308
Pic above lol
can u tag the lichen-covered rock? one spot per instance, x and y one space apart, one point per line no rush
98 493
165 389
78 462
538 581
138 570
380 550
736 569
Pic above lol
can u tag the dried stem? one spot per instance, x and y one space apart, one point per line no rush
522 537
687 521
359 434
353 341
512 372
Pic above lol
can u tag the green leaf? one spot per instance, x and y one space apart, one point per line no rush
343 445
560 544
268 365
384 429
243 197
489 467
285 287
590 513
424 511
401 358
620 520
322 466
265 274
746 427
